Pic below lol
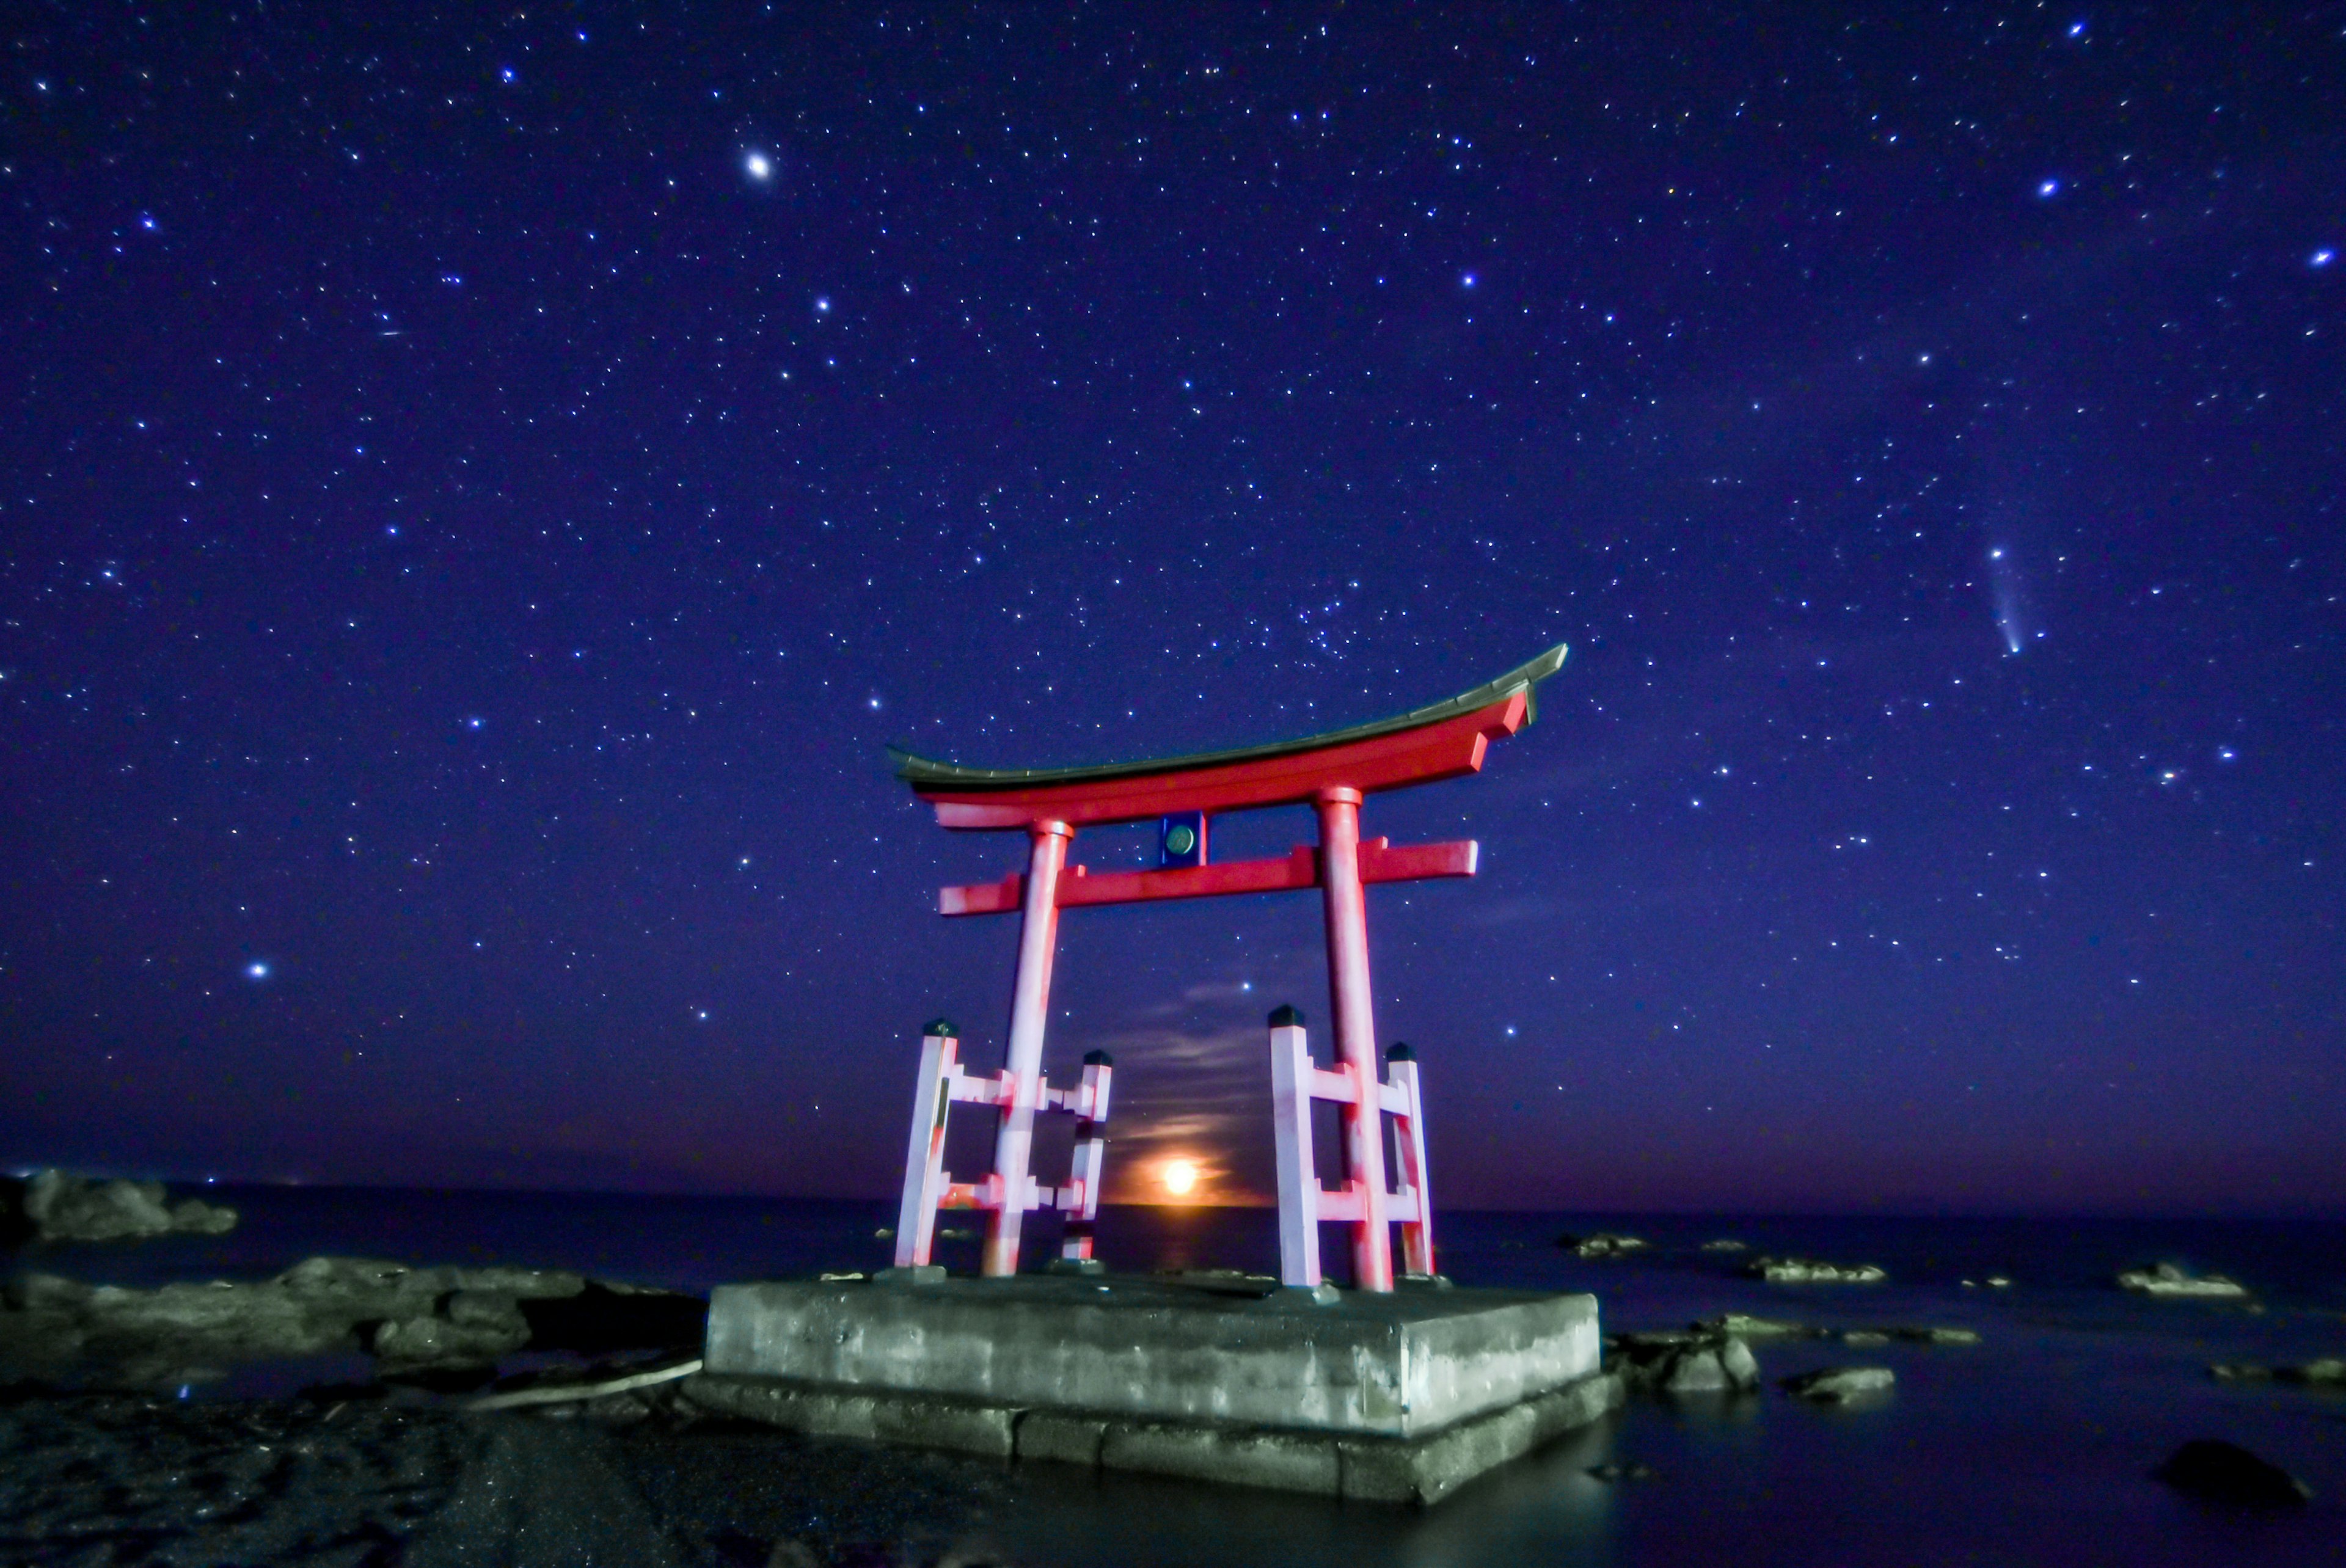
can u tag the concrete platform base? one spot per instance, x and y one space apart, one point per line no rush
1393 1399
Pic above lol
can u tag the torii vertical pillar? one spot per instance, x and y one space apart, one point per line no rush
1347 909
1030 1010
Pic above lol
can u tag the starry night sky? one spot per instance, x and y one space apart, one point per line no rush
478 491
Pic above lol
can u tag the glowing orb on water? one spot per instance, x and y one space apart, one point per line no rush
1180 1177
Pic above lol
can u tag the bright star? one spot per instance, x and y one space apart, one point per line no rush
257 970
2050 188
2324 257
759 165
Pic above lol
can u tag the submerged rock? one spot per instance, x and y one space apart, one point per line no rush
1931 1336
2325 1372
1841 1385
1744 1327
2172 1281
1614 1469
56 1206
1603 1244
1808 1271
2218 1472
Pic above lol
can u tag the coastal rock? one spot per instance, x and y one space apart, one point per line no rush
1841 1385
1603 1244
1808 1271
60 1207
2170 1279
1744 1327
1688 1363
2326 1373
412 1319
474 1329
2218 1472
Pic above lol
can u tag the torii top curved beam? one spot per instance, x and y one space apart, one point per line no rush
1440 741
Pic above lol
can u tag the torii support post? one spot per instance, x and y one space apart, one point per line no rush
1303 1204
929 1186
1330 772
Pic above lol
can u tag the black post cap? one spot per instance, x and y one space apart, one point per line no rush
945 1026
1286 1017
1400 1053
1099 1059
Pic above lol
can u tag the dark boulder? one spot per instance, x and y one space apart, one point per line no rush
2216 1471
603 1319
1680 1364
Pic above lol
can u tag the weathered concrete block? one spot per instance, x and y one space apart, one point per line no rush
1399 1397
1235 1456
985 1429
1058 1435
1400 1365
1425 1471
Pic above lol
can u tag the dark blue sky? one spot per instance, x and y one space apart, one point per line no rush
478 491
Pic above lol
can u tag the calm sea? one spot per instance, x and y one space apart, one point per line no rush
2032 1446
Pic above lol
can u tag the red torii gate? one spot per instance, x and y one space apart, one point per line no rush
1331 772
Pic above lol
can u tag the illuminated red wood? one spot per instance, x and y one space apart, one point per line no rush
1332 772
1394 761
1344 908
1299 869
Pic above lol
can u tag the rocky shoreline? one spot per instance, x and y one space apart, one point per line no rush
446 1327
593 1451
